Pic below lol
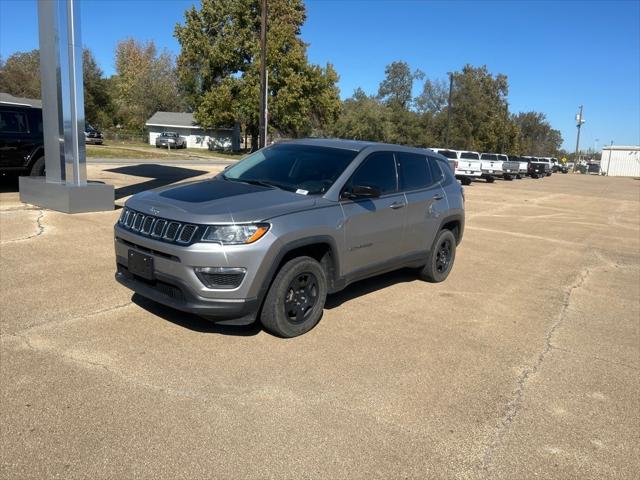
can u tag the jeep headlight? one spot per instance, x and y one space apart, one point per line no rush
235 234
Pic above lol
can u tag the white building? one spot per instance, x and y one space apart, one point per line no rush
197 137
621 161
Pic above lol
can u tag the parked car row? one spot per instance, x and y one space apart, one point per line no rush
470 165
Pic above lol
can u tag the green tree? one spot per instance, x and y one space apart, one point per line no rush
363 118
145 82
98 105
219 63
433 98
396 90
479 111
20 74
536 137
396 93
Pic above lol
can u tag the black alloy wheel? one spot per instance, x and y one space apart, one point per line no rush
443 255
301 297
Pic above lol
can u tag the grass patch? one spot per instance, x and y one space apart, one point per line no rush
142 150
101 151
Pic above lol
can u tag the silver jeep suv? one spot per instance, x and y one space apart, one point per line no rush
271 236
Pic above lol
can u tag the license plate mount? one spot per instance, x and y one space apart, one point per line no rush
141 265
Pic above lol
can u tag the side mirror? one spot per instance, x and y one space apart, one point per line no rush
361 191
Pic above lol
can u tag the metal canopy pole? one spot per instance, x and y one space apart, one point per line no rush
73 86
65 186
50 72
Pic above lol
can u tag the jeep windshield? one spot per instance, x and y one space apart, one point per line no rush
309 169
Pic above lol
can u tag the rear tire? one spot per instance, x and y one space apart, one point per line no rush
38 168
465 181
490 179
441 258
296 298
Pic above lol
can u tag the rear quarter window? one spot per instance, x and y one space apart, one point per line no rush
12 121
436 166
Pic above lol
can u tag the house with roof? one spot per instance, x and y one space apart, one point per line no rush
197 137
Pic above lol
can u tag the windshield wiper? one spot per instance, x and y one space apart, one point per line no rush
262 183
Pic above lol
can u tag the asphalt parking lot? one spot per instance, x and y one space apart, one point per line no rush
524 363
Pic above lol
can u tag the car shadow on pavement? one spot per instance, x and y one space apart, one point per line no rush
370 285
159 175
194 322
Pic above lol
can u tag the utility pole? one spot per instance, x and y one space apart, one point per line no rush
446 139
262 123
579 122
609 160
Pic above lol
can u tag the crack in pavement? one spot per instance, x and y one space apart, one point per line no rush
513 405
65 355
69 320
41 229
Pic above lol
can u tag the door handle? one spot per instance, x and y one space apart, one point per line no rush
438 196
397 205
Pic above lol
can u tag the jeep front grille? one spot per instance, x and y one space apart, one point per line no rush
159 228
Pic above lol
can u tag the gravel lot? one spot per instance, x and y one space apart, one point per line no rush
524 363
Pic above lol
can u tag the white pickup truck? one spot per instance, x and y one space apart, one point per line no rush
497 165
465 169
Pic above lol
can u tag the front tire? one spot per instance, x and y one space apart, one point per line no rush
296 298
441 258
38 168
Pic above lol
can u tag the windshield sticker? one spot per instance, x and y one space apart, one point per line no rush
302 192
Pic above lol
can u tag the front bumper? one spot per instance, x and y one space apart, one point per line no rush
173 292
177 285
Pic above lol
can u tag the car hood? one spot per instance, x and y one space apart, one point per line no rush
218 200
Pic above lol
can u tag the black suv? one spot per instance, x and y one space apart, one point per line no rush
21 138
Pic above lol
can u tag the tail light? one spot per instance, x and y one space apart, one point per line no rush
455 163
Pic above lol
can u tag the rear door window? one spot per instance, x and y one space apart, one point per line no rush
378 170
413 170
